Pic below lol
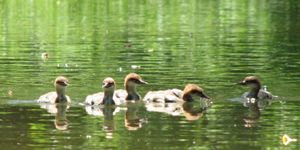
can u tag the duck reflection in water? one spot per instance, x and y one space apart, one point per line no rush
132 120
192 111
191 102
108 113
256 99
59 110
61 122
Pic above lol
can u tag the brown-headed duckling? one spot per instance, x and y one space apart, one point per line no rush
59 96
106 97
132 80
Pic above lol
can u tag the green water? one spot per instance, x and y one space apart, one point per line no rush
210 43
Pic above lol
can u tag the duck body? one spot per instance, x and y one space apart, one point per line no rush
53 97
94 99
190 93
170 95
262 94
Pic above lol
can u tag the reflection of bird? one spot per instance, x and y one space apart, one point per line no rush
59 95
97 110
130 93
108 113
192 112
106 98
59 109
256 91
252 116
132 120
191 92
108 123
61 122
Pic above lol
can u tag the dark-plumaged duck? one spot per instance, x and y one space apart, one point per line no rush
59 95
132 80
256 91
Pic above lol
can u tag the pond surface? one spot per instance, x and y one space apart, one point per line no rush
214 44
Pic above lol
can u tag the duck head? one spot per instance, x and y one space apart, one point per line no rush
133 79
60 84
251 81
191 91
109 84
130 83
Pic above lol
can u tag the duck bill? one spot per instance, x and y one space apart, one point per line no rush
105 85
63 83
203 95
243 82
142 82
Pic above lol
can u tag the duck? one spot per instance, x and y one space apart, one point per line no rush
190 93
106 97
59 95
256 92
130 83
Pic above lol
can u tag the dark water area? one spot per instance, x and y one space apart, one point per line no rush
214 44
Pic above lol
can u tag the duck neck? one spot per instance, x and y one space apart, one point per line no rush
131 92
255 90
61 94
108 97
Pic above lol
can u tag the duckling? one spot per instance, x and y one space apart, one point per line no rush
190 93
130 93
106 97
59 95
256 91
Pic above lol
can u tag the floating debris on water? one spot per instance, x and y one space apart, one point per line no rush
120 69
88 136
10 93
45 56
150 50
286 139
135 67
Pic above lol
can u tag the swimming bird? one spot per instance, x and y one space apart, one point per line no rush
191 102
256 92
59 95
130 93
190 93
106 97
